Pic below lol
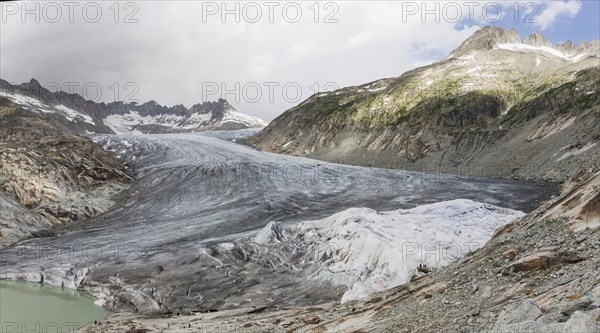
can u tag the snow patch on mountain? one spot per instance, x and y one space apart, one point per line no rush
377 89
73 115
238 117
33 104
23 100
545 49
197 119
125 123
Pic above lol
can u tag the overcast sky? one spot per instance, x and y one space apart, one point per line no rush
184 52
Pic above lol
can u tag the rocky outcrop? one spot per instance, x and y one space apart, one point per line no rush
487 38
50 177
537 39
542 260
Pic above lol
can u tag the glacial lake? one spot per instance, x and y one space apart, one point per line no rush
34 307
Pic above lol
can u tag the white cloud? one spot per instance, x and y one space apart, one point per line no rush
359 39
542 14
555 9
259 65
171 52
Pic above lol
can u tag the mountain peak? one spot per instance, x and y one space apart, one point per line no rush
225 103
32 84
537 39
487 38
491 37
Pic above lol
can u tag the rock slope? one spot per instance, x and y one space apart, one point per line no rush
76 114
495 107
49 176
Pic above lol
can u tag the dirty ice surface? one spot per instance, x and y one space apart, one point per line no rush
156 250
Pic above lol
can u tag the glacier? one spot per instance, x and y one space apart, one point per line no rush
182 237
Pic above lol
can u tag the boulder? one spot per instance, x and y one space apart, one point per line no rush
526 326
510 254
523 310
582 323
535 261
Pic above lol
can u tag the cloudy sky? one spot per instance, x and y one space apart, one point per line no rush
264 57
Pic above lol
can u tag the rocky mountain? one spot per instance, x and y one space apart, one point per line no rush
49 176
75 113
497 106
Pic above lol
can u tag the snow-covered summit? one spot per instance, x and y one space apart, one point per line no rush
218 115
491 37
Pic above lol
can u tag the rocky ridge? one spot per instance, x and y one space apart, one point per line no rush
74 113
491 37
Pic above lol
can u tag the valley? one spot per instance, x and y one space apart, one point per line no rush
460 196
171 242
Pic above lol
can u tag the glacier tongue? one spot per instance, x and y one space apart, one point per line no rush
371 251
190 218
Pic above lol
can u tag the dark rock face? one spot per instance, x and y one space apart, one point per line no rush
216 108
50 177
